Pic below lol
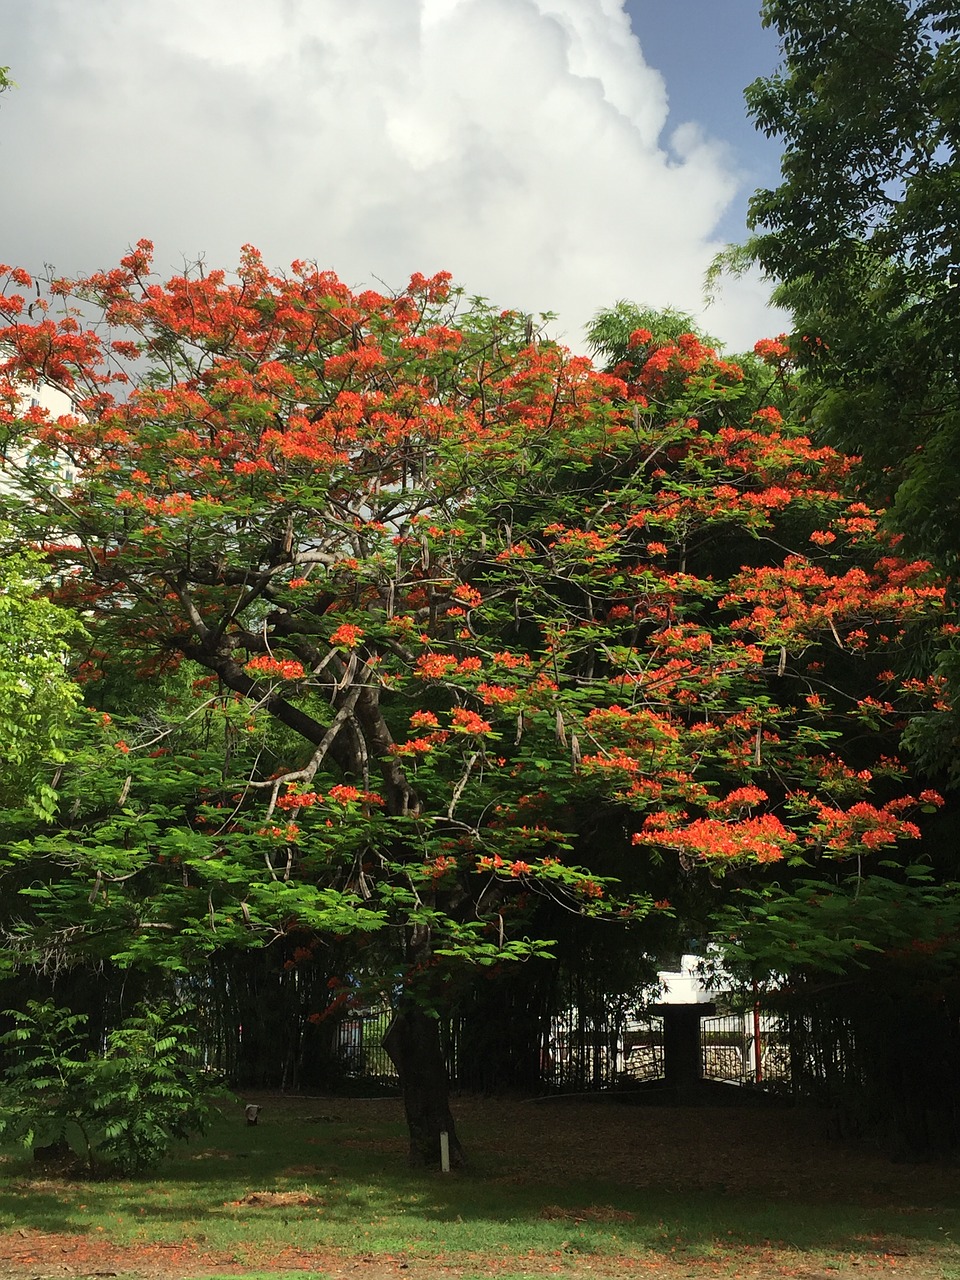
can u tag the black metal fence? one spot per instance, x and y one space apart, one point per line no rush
358 1047
581 1053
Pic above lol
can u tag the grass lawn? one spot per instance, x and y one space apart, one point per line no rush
554 1187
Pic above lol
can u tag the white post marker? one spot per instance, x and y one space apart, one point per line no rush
444 1151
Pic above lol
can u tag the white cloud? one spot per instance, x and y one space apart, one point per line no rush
516 143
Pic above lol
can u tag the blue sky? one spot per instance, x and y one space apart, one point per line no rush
708 51
555 155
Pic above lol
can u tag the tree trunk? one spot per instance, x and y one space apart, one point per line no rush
413 1044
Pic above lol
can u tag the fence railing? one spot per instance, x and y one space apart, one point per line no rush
358 1047
742 1048
581 1053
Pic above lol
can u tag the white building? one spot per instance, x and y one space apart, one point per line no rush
14 456
685 985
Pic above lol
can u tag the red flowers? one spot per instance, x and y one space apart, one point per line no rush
433 666
762 839
265 664
468 595
344 795
347 635
772 350
466 721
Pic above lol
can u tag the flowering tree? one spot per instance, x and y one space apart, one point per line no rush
445 589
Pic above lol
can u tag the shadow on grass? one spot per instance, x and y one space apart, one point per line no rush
330 1182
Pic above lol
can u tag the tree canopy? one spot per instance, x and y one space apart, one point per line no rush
862 237
406 622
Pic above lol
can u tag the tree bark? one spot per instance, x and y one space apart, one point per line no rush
413 1043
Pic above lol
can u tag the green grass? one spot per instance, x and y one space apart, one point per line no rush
338 1180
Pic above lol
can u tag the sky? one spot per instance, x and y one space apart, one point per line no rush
555 155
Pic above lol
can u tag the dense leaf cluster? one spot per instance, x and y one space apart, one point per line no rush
862 237
118 1106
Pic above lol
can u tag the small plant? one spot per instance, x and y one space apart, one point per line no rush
124 1106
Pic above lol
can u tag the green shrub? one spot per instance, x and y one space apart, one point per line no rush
122 1107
